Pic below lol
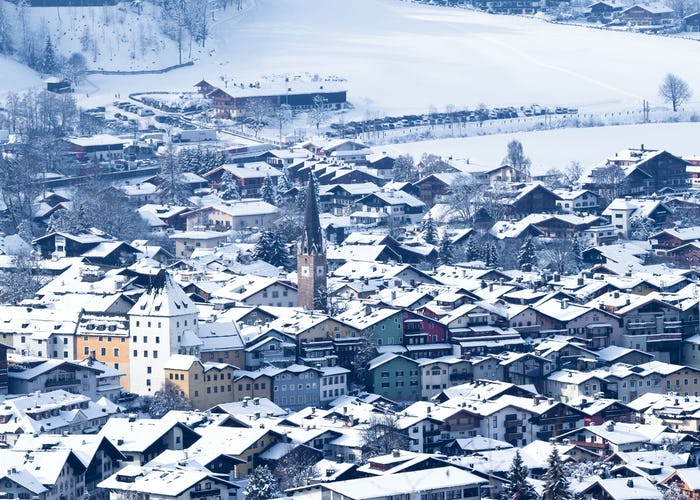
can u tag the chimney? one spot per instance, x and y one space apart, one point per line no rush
339 458
491 287
630 483
579 281
616 295
564 303
256 401
396 453
610 426
245 402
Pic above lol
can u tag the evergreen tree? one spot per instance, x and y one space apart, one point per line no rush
490 254
518 488
49 63
229 187
471 250
284 183
556 485
577 252
446 256
168 397
526 255
430 235
262 485
272 248
267 191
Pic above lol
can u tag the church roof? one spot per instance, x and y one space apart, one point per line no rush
312 237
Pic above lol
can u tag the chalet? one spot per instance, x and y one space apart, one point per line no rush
561 225
380 164
644 171
388 207
433 187
97 148
691 23
577 200
647 15
621 488
249 176
532 198
63 244
623 213
340 199
669 239
603 11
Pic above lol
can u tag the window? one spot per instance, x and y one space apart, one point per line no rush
103 351
116 351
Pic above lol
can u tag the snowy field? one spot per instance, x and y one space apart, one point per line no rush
398 57
557 148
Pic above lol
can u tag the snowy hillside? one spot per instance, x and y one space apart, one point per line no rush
557 148
398 57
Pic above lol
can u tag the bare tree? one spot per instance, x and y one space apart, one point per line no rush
609 181
515 157
674 90
319 111
296 467
382 435
572 173
256 113
283 115
464 195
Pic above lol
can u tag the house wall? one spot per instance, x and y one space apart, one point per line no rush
110 349
296 390
398 379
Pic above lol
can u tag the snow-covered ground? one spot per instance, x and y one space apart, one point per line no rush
403 57
557 148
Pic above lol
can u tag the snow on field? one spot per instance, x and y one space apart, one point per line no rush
557 148
15 76
405 57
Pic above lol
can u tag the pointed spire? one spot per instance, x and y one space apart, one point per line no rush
312 237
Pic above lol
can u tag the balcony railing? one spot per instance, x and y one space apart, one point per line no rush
62 382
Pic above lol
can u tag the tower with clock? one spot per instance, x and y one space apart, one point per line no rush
311 256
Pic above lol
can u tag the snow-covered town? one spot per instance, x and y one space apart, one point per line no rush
367 250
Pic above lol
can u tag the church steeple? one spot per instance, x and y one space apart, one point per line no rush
311 259
312 237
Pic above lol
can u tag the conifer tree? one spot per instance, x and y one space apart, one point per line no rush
446 256
229 187
284 183
267 191
262 485
556 485
430 235
471 250
518 488
490 254
272 248
577 252
526 255
48 63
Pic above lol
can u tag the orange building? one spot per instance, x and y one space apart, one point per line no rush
107 336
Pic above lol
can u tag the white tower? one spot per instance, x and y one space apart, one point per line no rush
163 322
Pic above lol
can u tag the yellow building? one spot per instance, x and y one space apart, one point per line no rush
205 384
108 338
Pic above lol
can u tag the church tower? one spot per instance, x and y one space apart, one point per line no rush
311 256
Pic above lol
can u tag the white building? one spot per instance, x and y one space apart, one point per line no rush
163 322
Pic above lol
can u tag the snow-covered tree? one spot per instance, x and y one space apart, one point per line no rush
515 157
430 234
267 191
556 484
577 248
229 187
404 169
172 188
526 255
284 182
272 248
167 398
318 112
262 484
518 487
490 254
382 435
19 283
296 467
49 62
446 256
472 250
641 228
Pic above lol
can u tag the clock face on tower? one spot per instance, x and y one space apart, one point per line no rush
304 270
